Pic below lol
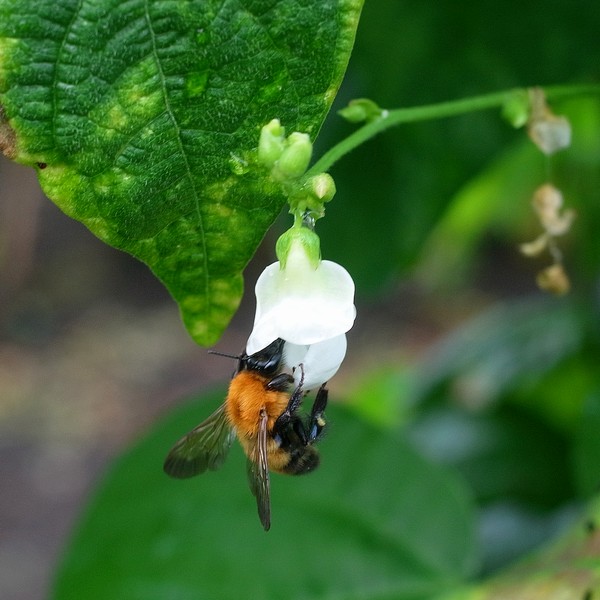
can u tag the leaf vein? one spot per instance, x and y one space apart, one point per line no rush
181 148
55 82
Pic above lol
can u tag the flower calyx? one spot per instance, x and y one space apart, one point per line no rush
287 159
302 244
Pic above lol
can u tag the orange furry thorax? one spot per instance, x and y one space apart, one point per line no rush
246 397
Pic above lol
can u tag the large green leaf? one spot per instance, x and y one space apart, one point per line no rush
374 521
142 116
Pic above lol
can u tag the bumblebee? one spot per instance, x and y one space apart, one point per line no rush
264 415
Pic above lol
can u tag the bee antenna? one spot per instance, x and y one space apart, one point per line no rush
235 357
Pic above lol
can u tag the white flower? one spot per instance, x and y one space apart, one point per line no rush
310 305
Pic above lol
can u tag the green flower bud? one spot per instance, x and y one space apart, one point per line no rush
361 109
271 143
517 108
321 187
295 157
311 198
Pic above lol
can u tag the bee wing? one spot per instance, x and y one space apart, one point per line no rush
258 473
205 447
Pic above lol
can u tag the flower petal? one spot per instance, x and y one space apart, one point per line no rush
301 304
320 361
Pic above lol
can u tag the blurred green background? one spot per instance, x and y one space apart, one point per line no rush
472 400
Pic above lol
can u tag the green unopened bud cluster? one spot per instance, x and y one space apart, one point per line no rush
287 157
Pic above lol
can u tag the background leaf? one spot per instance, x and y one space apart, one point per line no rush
142 118
374 521
587 447
568 568
485 359
509 401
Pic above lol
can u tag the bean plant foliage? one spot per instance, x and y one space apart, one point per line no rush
141 118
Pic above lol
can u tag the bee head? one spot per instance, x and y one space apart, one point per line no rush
265 361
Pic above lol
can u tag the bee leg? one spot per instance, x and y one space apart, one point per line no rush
290 426
320 402
301 367
289 414
280 382
316 421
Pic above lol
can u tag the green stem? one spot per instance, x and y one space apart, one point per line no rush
435 111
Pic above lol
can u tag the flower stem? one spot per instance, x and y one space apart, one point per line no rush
435 111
